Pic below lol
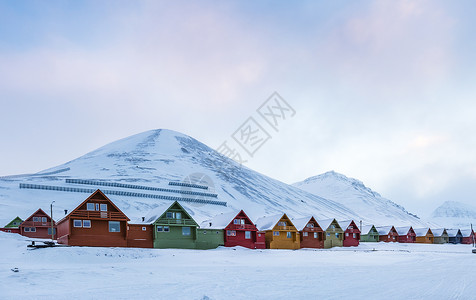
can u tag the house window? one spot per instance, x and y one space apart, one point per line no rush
97 206
87 223
354 235
337 235
282 223
103 207
204 232
186 231
77 223
276 233
288 235
178 215
248 235
144 228
33 229
231 233
114 226
346 234
27 229
328 234
351 227
90 206
14 223
333 227
242 221
160 228
315 235
36 219
169 215
43 219
310 225
9 230
217 232
166 229
236 221
49 230
304 233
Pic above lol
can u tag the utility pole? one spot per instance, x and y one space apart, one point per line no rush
52 228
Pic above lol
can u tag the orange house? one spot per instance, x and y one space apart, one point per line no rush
280 232
424 236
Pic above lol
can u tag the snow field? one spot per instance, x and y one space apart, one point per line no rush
392 271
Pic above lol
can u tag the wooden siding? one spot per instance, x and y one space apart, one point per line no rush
42 227
312 237
351 235
283 237
334 236
140 236
238 238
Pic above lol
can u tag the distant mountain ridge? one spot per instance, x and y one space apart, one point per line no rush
156 157
453 214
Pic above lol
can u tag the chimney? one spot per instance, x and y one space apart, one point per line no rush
143 219
210 224
65 212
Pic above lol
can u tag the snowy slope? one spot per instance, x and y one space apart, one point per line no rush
154 158
452 214
353 194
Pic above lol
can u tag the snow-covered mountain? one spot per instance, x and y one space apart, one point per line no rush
453 214
353 194
150 160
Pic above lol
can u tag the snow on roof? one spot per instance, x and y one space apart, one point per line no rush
366 229
403 230
452 232
466 232
219 221
301 223
326 223
268 223
421 231
346 223
156 212
384 230
438 232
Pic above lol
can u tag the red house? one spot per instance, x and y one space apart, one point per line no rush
96 222
140 235
351 233
468 236
387 234
406 234
312 235
38 225
239 230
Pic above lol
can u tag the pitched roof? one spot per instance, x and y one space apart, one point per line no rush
158 211
366 229
453 232
268 222
219 221
384 230
301 223
438 232
346 223
421 231
466 232
326 223
403 230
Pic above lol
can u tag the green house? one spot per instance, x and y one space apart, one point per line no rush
15 223
174 227
334 235
369 234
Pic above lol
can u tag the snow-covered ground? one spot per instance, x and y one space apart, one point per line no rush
393 271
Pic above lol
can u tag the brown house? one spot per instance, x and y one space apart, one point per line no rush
38 225
96 222
424 236
140 235
312 235
387 234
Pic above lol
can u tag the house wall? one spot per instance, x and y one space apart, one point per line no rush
387 238
427 239
440 240
282 241
466 240
333 239
240 240
408 238
373 237
62 229
209 238
98 235
10 230
349 240
310 241
174 238
137 237
455 240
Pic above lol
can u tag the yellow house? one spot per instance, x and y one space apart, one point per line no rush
424 236
280 232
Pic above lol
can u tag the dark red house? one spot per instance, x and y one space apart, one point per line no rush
239 230
38 225
140 235
468 236
351 233
387 234
311 234
96 222
406 234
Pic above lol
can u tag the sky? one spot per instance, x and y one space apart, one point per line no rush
383 91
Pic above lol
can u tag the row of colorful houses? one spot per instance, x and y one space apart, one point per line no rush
98 222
